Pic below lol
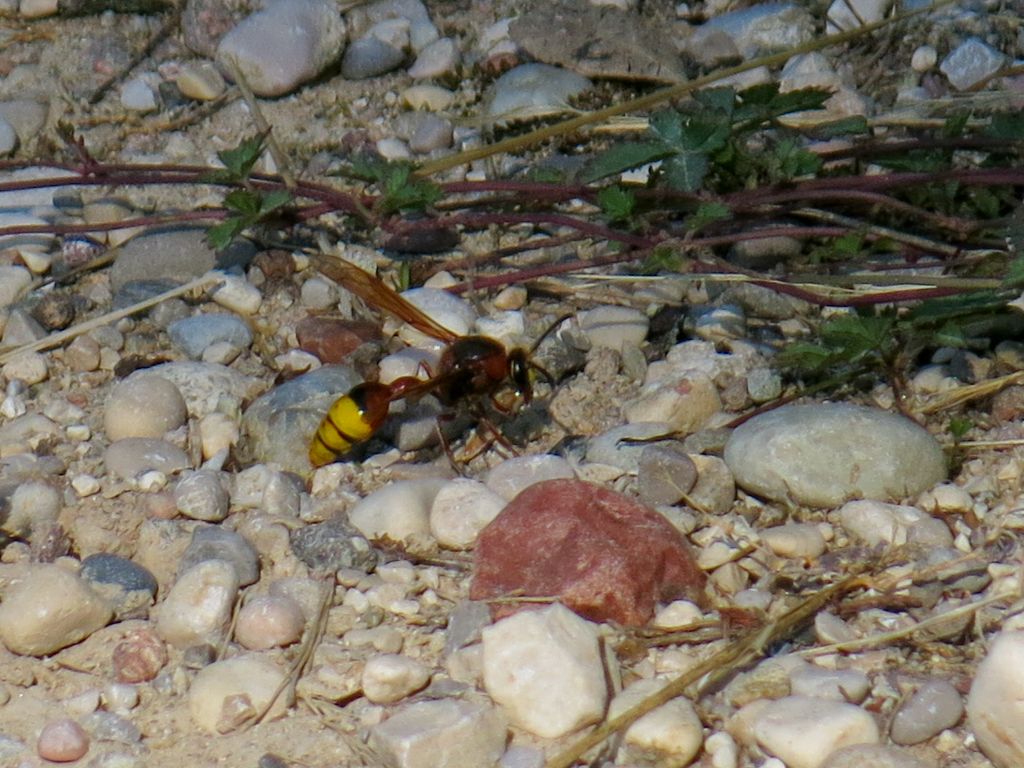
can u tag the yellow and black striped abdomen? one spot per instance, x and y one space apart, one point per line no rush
350 420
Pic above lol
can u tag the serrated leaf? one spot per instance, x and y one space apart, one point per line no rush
623 157
686 171
805 356
662 259
793 161
239 161
761 94
799 100
667 125
243 201
618 204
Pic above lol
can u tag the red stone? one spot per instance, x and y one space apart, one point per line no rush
332 339
139 657
602 554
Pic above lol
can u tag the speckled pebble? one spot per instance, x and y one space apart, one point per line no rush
202 495
198 607
62 741
49 609
461 509
269 621
391 677
133 456
143 405
139 657
332 545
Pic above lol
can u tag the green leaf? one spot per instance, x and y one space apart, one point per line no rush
220 236
273 200
707 213
685 172
667 125
717 99
244 201
1006 125
238 162
1015 273
855 336
959 427
401 192
623 157
950 335
807 357
955 124
662 259
799 101
618 204
792 161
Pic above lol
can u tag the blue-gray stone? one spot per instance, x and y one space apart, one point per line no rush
105 568
194 334
332 545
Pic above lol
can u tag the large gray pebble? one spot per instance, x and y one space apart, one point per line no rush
932 708
211 542
761 28
284 45
278 427
532 90
143 405
194 334
971 62
132 456
172 253
823 455
48 609
873 756
455 734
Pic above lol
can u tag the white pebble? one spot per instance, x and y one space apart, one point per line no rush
997 724
226 694
399 511
876 522
946 499
838 684
85 485
317 293
924 59
672 732
49 609
800 730
269 621
454 313
198 607
613 326
461 510
120 697
544 669
28 367
686 404
138 96
512 476
238 295
429 97
391 677
438 59
143 405
450 733
802 540
217 432
678 613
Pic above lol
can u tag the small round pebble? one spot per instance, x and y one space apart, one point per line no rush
923 59
269 622
143 406
391 677
932 708
461 509
62 741
795 540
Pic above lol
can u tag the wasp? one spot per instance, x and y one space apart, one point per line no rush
469 367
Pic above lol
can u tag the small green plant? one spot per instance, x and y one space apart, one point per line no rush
399 189
706 141
248 207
